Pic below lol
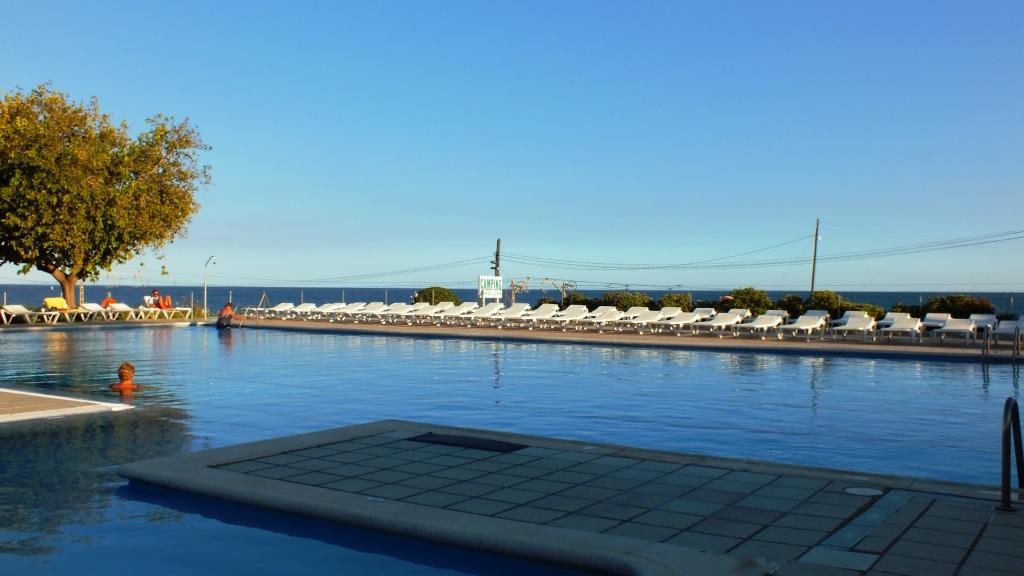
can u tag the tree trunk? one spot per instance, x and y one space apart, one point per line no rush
67 282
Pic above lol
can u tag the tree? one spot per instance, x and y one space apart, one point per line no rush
78 194
677 299
626 300
435 294
753 299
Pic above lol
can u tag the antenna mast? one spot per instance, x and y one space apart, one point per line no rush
814 257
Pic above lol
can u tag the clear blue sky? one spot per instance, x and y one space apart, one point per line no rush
365 137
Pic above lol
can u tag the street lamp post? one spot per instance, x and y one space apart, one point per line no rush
210 260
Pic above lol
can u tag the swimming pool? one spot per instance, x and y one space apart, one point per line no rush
63 507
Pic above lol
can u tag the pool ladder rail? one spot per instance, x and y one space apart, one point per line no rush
1011 425
986 346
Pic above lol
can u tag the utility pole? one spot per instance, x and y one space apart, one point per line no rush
814 257
497 259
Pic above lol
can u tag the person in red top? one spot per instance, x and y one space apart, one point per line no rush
161 302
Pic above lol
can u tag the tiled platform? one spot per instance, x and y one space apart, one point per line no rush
611 508
16 406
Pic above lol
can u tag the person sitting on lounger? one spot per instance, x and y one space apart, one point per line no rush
158 301
226 315
126 380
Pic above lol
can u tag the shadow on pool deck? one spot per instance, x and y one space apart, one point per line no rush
609 508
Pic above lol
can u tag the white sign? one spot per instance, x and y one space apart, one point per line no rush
490 287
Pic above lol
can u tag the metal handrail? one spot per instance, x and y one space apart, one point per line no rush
1016 344
1011 423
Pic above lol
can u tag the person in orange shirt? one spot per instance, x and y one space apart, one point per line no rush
161 302
126 380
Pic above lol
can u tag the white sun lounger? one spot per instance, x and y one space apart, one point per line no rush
426 313
390 310
271 311
600 310
935 320
1007 329
117 310
96 310
842 320
533 317
984 322
956 327
782 313
301 311
634 311
482 313
369 312
452 314
863 325
15 311
805 324
910 327
345 312
563 318
512 312
324 310
718 323
600 322
743 312
705 313
762 324
403 315
640 321
677 322
891 317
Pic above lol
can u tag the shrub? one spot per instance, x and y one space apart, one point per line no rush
626 300
873 310
959 305
792 303
572 298
826 300
435 294
680 300
757 301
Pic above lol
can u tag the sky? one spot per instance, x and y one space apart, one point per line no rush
645 144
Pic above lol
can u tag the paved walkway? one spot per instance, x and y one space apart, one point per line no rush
611 508
16 405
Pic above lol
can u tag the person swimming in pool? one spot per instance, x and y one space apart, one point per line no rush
126 380
226 315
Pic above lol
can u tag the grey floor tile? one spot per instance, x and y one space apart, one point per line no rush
642 531
488 466
313 478
787 492
779 505
634 473
668 519
713 496
663 467
615 483
575 456
531 514
660 489
388 476
316 452
244 467
640 500
905 565
427 482
1005 533
751 477
563 503
584 522
353 485
826 510
706 542
800 482
706 471
448 460
546 486
616 511
768 550
348 457
808 522
537 452
515 495
722 485
475 454
481 506
418 468
590 492
392 491
514 458
553 463
350 470
617 461
948 525
727 528
990 561
499 479
750 515
839 558
277 472
946 554
679 478
1000 546
939 537
835 499
469 488
686 506
459 474
592 468
802 569
969 570
791 536
567 476
314 464
281 459
874 544
378 451
437 499
526 471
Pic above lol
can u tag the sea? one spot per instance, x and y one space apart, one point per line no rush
32 295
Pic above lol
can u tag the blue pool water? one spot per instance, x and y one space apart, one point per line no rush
63 509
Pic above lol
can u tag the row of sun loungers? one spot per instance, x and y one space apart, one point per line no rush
736 322
89 311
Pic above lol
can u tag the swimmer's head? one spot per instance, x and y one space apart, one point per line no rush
126 371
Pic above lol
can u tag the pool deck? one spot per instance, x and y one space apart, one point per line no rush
16 406
954 350
610 508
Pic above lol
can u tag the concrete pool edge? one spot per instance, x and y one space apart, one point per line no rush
193 472
46 406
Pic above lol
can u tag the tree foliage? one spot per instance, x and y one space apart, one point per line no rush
626 300
753 299
792 303
79 194
435 294
680 300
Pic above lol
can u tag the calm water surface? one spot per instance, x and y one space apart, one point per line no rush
62 508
